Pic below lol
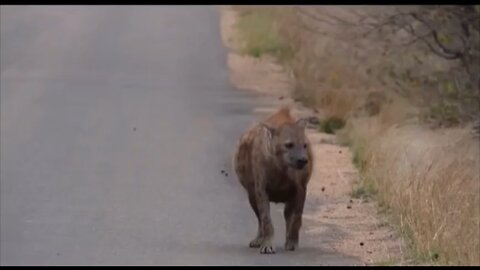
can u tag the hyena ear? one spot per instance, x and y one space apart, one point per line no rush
270 130
302 123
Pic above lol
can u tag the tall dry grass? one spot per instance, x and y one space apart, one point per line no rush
431 182
429 179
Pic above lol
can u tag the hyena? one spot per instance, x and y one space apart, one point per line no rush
273 162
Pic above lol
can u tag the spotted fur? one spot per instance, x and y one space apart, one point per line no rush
266 177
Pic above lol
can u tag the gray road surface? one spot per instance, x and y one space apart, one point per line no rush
115 124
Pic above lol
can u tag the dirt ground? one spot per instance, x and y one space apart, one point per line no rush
364 233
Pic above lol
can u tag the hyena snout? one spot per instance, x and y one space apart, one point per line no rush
297 158
301 163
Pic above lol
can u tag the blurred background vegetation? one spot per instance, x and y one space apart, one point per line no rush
401 86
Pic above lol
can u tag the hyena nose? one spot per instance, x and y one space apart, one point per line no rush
301 163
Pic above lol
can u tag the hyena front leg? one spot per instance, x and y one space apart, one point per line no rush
293 219
266 226
256 242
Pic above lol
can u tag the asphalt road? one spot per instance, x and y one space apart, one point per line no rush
115 125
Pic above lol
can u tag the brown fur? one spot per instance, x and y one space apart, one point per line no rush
267 180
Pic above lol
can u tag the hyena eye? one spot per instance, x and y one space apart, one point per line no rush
305 145
289 145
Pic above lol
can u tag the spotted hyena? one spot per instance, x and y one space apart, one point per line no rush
273 162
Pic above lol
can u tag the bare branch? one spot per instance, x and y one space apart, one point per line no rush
311 16
448 32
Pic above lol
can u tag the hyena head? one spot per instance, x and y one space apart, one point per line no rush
289 144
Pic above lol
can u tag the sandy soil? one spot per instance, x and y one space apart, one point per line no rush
363 232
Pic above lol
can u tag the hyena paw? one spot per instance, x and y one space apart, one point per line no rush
267 249
291 245
256 243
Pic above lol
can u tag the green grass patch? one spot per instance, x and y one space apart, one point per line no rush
446 114
258 33
358 156
330 125
364 189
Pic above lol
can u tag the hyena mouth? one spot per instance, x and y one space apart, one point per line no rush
300 164
299 167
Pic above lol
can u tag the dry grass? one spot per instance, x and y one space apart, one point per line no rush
429 180
324 75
